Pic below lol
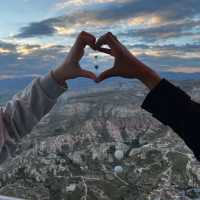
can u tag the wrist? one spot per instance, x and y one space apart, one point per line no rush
59 76
150 78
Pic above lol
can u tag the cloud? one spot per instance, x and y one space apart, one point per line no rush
161 33
27 49
3 50
24 59
190 51
62 25
169 9
6 77
188 70
64 31
150 20
175 29
7 46
36 29
65 4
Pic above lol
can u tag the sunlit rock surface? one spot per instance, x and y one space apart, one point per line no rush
70 155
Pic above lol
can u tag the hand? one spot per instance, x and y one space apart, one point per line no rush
71 69
126 64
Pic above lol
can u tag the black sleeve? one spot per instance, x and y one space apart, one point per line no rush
173 107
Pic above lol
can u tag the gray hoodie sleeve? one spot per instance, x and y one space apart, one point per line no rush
27 107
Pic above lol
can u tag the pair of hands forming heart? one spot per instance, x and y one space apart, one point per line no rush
125 64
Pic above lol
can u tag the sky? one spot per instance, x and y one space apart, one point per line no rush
35 35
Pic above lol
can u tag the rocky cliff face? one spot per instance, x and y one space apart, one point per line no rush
70 155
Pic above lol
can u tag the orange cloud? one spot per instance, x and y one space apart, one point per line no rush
26 49
64 31
4 50
149 52
145 20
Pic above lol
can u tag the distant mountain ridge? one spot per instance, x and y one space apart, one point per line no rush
15 83
20 83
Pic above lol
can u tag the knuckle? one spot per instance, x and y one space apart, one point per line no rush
82 33
112 35
109 34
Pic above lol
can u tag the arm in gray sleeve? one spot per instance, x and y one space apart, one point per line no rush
26 108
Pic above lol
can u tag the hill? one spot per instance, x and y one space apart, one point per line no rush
70 155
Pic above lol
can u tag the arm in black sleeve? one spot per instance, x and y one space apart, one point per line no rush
173 107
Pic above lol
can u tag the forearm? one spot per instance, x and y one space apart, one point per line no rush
26 108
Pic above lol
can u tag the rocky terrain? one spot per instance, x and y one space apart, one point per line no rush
70 155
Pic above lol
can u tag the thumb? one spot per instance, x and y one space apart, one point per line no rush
87 74
104 50
106 74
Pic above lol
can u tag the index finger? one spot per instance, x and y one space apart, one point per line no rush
86 38
107 39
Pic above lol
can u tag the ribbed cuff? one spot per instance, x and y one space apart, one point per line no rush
51 87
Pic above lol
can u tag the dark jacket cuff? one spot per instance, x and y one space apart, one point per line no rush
166 102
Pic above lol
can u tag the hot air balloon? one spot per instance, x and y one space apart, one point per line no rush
119 154
118 169
96 67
